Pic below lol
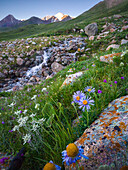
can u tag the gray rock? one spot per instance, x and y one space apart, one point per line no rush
20 61
124 41
2 75
91 29
11 72
56 67
70 48
10 45
117 16
112 46
27 63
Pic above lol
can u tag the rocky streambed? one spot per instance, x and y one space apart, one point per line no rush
20 66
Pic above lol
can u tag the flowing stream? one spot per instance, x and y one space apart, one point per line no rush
34 70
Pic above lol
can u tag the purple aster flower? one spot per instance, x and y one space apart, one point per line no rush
72 154
85 102
77 96
3 122
2 160
93 65
122 77
10 130
51 165
89 89
99 91
2 108
105 81
111 85
115 82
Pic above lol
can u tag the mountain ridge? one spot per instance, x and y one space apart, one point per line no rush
92 15
10 20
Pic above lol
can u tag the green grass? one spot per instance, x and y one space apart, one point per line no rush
55 106
92 15
56 132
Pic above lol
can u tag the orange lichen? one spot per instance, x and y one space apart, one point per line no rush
115 107
126 99
125 167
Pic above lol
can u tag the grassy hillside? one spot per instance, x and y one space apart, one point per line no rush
51 104
98 11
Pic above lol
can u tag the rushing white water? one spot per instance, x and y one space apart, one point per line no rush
34 70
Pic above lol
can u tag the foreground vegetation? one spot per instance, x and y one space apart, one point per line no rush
46 113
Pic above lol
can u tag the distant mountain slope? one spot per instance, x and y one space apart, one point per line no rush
100 10
9 21
33 20
112 3
66 18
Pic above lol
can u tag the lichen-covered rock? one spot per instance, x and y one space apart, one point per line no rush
109 58
105 141
112 46
71 78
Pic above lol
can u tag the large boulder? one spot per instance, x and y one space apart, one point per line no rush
71 78
105 141
112 46
91 29
109 58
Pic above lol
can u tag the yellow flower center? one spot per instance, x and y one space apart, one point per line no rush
85 102
89 89
49 166
77 97
72 150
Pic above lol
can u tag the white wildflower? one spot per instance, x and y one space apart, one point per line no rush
37 106
35 127
26 138
44 89
17 112
34 97
22 121
121 64
25 111
41 120
15 128
12 104
32 115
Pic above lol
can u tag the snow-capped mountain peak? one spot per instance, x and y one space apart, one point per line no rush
59 15
46 17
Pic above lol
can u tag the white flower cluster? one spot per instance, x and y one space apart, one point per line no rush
26 138
29 123
22 121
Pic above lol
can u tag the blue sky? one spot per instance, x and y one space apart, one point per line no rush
24 9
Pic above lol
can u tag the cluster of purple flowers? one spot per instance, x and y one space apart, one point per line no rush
2 160
82 100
